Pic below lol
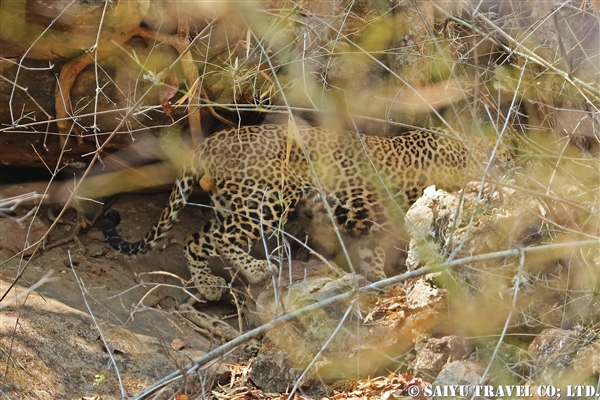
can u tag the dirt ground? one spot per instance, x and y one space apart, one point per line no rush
50 341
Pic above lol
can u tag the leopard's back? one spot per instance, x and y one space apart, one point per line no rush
307 157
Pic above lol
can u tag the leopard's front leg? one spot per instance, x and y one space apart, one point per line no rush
371 259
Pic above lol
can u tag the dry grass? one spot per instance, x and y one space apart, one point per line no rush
521 75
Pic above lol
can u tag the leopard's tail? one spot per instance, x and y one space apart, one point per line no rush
177 200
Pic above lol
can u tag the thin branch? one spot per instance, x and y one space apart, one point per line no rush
46 278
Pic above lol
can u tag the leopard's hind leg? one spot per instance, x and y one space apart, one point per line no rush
362 216
199 247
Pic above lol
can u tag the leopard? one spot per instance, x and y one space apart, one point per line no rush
257 176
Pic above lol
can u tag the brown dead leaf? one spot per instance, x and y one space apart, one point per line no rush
390 387
178 344
389 310
167 91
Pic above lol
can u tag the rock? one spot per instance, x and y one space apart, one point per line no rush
423 222
281 362
310 282
16 236
587 360
439 222
553 345
460 373
422 294
60 346
552 352
483 220
289 349
377 328
433 353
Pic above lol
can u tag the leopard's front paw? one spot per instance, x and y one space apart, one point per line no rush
375 275
210 287
257 271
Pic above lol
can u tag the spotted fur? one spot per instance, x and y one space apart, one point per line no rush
258 174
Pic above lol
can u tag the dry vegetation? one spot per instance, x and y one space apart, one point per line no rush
510 267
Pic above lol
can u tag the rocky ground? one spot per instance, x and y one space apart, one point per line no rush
51 338
93 307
